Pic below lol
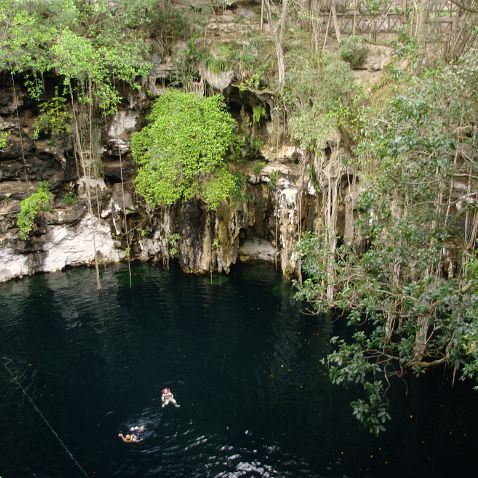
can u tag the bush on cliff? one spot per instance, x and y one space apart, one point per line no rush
30 207
181 152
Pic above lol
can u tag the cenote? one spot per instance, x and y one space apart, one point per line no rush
241 359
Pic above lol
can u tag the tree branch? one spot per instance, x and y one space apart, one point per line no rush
459 4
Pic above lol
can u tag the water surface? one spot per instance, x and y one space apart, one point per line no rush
242 361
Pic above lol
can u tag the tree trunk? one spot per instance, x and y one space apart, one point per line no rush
421 32
336 22
278 34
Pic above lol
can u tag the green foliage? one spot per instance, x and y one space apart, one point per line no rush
251 83
4 135
187 64
230 55
172 241
245 147
250 59
258 113
375 6
319 96
181 152
222 59
354 51
69 199
239 194
30 207
219 187
272 184
55 117
96 41
411 306
405 46
76 57
259 166
223 4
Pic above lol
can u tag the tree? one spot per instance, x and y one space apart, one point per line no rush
412 295
278 32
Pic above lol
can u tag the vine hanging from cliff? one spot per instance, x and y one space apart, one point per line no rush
90 46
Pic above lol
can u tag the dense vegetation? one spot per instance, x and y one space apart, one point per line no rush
412 295
89 46
75 39
181 152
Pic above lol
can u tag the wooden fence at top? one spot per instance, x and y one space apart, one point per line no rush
394 17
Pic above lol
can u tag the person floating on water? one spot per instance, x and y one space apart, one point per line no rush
167 397
132 437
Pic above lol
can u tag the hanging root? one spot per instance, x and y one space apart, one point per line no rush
6 363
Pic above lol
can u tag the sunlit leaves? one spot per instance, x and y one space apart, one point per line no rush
95 41
181 152
30 207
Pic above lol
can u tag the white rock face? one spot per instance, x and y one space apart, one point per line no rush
12 265
257 250
124 120
219 81
288 216
63 246
120 129
66 246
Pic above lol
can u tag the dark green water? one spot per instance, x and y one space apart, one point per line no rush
241 360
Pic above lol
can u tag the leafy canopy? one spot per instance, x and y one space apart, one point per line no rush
412 295
181 152
79 40
319 98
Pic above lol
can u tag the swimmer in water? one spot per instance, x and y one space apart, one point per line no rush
167 397
132 437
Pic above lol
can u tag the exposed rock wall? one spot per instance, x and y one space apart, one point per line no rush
279 203
61 245
284 194
263 226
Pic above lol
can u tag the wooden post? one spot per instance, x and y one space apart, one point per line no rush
405 12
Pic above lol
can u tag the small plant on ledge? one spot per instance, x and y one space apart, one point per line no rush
69 199
38 201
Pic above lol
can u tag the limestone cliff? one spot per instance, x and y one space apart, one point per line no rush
286 193
263 226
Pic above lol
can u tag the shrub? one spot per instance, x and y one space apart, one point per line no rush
354 51
181 152
4 139
69 199
319 99
54 117
30 207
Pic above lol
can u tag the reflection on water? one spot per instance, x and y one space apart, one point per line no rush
242 361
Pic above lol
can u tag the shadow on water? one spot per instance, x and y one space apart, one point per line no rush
242 361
